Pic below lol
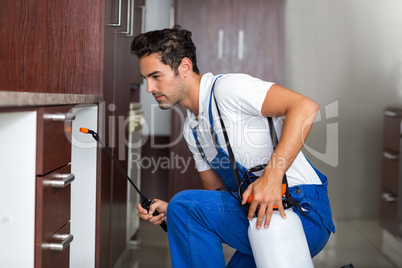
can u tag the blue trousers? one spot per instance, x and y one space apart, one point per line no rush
200 221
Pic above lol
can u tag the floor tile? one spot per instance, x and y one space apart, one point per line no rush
356 241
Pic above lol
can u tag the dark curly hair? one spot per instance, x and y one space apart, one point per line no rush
172 45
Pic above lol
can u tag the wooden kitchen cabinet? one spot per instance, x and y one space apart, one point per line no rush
234 36
391 179
121 80
53 189
69 51
35 183
51 46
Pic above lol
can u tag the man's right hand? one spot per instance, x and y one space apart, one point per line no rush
160 206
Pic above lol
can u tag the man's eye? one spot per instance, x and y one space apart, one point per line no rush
156 76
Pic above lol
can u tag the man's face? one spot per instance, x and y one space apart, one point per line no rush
166 87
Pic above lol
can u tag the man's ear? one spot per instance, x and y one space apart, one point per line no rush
185 67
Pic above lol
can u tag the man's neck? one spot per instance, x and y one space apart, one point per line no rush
192 101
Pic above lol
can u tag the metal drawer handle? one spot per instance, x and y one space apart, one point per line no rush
240 45
221 36
66 179
391 114
388 197
130 19
143 18
66 239
118 24
60 117
390 156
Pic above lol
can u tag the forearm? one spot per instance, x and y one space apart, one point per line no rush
296 127
210 180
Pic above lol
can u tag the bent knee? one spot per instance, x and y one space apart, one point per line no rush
181 202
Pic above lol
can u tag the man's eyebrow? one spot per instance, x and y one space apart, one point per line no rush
153 73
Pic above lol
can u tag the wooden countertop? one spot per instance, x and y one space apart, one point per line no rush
18 99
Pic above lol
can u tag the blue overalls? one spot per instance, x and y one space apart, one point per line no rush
199 221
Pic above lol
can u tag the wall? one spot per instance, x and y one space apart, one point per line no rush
158 121
347 55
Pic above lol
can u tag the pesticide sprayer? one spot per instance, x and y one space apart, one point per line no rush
145 202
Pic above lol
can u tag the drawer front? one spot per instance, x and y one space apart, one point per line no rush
392 133
53 202
52 253
54 136
389 212
390 171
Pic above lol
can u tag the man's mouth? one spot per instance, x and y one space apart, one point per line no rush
158 98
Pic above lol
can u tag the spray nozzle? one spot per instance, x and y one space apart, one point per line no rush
86 131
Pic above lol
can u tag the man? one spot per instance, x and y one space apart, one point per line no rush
199 221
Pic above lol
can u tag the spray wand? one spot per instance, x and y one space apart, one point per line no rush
145 202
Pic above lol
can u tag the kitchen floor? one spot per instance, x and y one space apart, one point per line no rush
356 241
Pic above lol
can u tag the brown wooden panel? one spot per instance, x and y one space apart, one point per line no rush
181 179
121 73
51 46
205 19
105 191
53 140
52 204
155 180
263 26
54 259
389 214
390 173
392 133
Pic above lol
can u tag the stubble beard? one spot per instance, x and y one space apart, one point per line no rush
178 95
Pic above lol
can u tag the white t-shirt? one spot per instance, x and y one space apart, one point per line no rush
240 98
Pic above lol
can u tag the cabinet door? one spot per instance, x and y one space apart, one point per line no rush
120 74
57 250
52 213
390 210
210 23
180 179
259 38
50 46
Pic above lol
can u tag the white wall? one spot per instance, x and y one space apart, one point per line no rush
349 52
158 121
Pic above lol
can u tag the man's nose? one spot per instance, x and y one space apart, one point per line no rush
150 87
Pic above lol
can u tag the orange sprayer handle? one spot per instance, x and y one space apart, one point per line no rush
250 198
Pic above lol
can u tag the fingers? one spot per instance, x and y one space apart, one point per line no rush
159 206
252 209
156 206
281 210
246 195
265 209
142 212
157 220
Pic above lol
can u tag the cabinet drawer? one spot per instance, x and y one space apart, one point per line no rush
392 133
390 171
53 140
54 252
52 202
389 212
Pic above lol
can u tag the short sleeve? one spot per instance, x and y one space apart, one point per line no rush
241 92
